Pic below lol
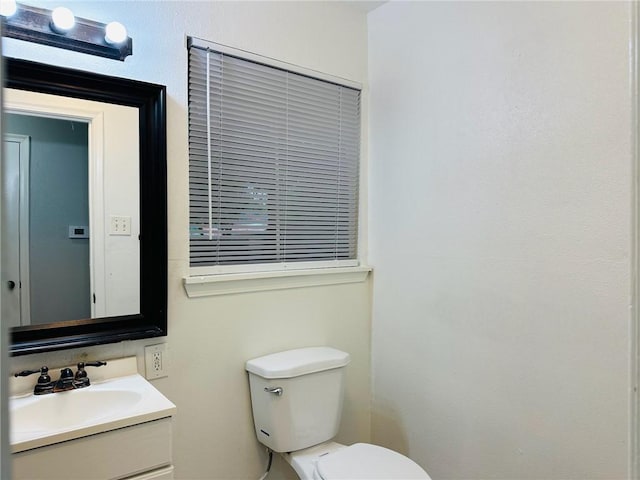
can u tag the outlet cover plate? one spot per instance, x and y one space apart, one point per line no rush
156 361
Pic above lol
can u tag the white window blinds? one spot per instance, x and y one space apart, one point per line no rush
273 164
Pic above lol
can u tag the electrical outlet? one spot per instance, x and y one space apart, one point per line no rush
155 361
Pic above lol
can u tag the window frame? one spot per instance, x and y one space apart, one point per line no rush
302 269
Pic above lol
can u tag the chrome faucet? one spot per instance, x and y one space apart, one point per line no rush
67 380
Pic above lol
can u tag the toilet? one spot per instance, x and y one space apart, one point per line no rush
296 397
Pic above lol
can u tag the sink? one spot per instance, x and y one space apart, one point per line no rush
39 420
70 409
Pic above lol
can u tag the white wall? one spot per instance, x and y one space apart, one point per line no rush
501 200
210 338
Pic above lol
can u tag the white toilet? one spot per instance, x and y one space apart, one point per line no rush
297 402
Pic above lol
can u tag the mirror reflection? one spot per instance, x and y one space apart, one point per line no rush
46 195
127 160
71 210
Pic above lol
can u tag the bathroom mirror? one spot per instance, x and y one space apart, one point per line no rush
150 318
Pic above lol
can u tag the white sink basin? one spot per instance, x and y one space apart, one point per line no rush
38 420
69 409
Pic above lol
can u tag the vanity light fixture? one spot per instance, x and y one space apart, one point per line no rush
115 33
8 8
61 28
62 20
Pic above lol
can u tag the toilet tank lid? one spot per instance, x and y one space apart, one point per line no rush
301 361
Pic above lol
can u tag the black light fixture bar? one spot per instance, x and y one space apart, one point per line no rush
34 25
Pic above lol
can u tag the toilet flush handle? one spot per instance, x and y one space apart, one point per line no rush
275 390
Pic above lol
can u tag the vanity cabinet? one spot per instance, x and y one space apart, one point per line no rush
137 452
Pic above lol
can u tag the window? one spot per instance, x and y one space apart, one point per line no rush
273 165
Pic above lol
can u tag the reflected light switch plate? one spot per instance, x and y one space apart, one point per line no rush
120 225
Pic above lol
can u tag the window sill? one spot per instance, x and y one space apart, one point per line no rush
225 284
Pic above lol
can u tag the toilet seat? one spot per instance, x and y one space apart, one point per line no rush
363 461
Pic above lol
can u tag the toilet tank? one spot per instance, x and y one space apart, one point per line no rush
296 396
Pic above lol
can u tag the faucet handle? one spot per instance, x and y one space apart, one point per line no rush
81 378
93 364
82 372
44 384
25 373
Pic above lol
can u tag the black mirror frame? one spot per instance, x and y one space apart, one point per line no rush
150 99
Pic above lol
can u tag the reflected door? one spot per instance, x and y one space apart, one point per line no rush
15 259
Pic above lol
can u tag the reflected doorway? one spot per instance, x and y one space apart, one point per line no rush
47 188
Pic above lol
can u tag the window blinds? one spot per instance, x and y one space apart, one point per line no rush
273 164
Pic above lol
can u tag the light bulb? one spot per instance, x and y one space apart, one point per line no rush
8 7
63 19
115 32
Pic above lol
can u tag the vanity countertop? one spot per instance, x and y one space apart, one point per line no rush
117 397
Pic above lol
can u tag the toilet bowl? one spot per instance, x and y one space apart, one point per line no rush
360 461
296 400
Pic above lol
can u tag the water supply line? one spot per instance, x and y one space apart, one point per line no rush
268 464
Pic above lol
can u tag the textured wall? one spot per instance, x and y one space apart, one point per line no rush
501 192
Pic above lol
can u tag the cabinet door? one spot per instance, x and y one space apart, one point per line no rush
110 455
